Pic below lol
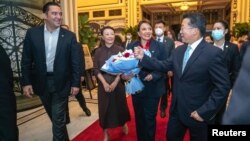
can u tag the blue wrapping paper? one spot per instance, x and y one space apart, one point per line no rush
118 64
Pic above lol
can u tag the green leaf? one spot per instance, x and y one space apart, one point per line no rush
86 33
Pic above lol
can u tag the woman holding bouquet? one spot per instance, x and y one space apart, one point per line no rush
112 104
146 101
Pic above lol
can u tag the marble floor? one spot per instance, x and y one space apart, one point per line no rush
34 124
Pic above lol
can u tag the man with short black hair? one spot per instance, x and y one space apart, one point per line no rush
51 67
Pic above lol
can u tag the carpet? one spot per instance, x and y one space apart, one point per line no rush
95 133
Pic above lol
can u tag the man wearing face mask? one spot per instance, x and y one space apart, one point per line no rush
160 29
128 40
231 56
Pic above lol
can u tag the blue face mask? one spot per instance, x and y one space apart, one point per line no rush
217 34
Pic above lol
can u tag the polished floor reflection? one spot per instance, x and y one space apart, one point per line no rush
34 125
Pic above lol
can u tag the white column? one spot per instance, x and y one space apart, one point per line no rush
70 14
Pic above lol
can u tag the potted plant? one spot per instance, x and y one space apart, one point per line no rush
86 33
241 29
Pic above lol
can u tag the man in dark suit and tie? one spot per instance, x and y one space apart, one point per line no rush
201 81
51 67
8 117
160 29
128 40
237 112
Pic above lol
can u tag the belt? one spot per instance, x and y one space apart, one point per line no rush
50 74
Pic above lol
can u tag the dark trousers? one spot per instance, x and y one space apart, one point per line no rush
164 97
8 116
55 106
81 100
176 129
145 116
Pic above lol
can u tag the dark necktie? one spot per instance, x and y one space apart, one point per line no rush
159 39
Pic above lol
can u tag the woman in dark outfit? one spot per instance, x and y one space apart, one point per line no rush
145 103
112 104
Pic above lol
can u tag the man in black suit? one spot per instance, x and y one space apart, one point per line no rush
8 124
160 29
51 67
128 40
201 81
237 112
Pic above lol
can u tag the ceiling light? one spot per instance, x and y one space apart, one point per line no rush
184 6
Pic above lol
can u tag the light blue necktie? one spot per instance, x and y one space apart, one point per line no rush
186 57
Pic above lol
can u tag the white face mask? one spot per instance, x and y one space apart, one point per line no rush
158 32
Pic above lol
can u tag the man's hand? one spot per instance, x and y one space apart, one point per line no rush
82 78
149 77
196 116
28 91
74 91
138 51
170 74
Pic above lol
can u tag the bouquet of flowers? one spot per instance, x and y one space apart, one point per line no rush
125 63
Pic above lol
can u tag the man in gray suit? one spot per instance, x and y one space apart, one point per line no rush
51 67
238 109
201 81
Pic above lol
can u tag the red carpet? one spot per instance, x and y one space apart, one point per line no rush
95 133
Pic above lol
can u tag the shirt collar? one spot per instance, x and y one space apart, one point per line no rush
54 31
221 47
161 38
195 44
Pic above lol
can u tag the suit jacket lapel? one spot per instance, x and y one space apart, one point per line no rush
194 56
225 48
40 37
152 47
180 57
59 46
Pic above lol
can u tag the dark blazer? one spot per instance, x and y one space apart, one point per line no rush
66 63
155 87
169 43
238 108
8 117
124 44
232 57
204 84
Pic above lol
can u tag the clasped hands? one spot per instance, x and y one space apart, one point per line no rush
109 87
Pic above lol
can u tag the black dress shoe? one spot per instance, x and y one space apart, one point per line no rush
87 112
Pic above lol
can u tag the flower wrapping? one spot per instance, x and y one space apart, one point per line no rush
125 63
